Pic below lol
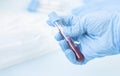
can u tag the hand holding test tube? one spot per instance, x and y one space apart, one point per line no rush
97 32
54 21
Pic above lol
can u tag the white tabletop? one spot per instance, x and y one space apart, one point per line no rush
56 64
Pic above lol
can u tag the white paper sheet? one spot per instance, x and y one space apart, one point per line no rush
24 35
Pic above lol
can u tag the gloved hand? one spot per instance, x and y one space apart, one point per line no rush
97 32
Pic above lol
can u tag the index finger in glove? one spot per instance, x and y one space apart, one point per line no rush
53 17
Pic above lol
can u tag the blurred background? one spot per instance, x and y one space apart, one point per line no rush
27 45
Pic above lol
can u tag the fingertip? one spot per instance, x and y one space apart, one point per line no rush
52 14
63 44
71 56
49 23
58 36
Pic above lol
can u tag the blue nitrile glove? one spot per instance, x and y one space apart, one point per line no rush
96 5
97 32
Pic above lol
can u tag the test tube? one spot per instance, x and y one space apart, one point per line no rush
73 47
